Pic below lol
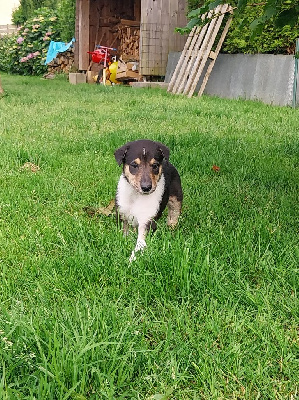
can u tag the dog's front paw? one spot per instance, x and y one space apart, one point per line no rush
132 256
140 245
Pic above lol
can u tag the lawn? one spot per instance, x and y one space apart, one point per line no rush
208 311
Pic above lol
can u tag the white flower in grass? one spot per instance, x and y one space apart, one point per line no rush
8 343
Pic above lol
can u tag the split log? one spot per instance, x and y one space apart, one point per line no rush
63 63
128 33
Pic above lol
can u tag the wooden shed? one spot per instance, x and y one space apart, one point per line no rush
140 30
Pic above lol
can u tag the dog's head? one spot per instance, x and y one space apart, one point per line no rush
142 163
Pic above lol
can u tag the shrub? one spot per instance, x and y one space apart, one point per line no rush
242 39
8 46
25 52
271 40
66 12
27 8
18 18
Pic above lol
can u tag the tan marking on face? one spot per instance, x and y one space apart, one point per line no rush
174 211
132 179
155 177
145 169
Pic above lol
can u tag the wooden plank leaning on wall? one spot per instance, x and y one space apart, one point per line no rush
83 34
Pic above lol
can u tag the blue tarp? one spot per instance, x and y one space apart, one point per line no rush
57 47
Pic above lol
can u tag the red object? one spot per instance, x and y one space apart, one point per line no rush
99 56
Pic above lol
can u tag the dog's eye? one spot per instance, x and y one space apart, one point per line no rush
155 168
134 165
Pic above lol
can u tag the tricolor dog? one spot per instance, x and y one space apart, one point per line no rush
147 184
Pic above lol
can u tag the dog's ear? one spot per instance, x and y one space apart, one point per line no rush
120 154
163 151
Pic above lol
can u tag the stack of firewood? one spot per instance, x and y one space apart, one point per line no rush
62 63
128 32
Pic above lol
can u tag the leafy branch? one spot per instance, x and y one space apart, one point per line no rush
281 12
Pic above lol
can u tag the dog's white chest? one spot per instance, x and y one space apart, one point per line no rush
135 207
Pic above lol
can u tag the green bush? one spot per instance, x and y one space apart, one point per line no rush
27 8
8 47
271 40
25 52
66 13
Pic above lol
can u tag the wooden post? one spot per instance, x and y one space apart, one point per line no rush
197 51
76 46
203 53
179 71
83 47
215 55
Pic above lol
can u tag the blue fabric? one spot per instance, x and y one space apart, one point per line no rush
57 47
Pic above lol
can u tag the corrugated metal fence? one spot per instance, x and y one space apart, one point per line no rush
266 77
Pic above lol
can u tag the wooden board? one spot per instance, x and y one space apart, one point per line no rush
83 23
213 56
198 51
159 18
127 71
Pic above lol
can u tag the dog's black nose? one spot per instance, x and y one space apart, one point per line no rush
146 188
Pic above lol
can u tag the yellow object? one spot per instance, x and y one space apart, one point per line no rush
113 69
104 76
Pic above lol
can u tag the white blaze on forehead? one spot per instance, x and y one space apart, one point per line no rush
143 152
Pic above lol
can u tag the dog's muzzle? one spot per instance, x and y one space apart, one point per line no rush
146 188
146 184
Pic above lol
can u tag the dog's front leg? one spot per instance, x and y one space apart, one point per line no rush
125 227
174 211
140 245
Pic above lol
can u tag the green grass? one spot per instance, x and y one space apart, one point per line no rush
209 311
